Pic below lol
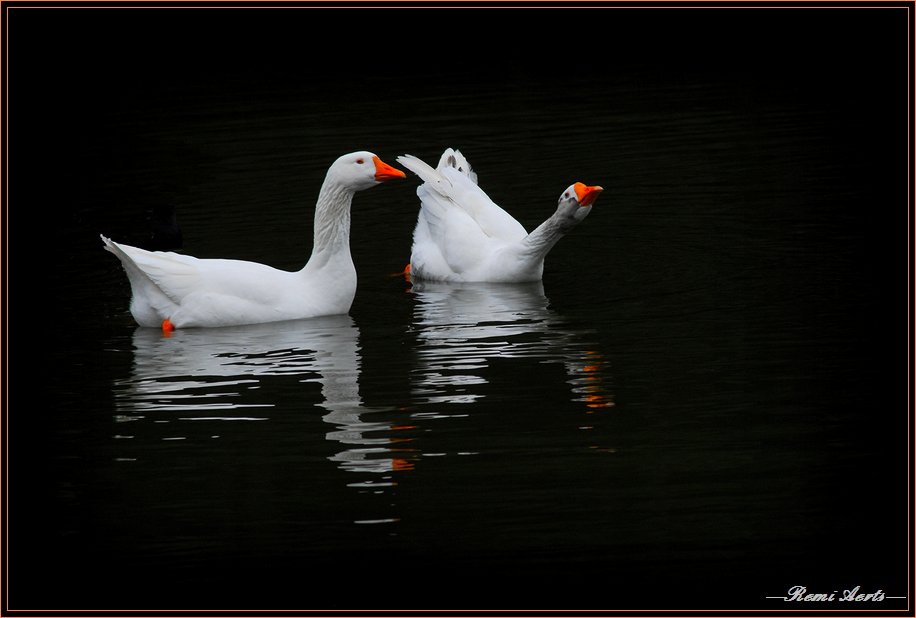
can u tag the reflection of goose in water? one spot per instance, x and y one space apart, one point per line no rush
463 327
217 375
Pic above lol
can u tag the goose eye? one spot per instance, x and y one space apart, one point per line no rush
360 161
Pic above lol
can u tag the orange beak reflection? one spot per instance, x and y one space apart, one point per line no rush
587 195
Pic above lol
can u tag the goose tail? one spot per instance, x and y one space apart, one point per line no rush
109 244
149 304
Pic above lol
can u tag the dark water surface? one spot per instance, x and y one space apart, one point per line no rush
703 404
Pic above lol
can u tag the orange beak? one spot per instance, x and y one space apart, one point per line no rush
383 171
587 195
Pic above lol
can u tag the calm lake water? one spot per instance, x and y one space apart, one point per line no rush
703 404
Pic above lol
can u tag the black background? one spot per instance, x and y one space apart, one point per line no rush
67 69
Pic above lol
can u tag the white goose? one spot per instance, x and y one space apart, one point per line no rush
177 291
461 235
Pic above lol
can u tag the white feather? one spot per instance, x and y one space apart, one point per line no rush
462 235
189 291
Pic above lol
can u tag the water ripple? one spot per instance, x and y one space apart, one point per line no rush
462 328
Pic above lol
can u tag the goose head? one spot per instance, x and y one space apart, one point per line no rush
361 170
576 202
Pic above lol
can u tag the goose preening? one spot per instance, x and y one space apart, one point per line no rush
461 235
177 291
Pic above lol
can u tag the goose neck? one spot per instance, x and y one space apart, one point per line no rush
540 241
332 221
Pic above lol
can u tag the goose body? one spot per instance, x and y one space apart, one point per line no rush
177 291
462 235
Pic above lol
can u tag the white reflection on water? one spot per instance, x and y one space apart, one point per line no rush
462 328
221 377
217 374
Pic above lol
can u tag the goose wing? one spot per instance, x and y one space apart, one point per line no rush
453 185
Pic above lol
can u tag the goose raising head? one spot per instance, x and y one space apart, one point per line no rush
575 203
462 235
